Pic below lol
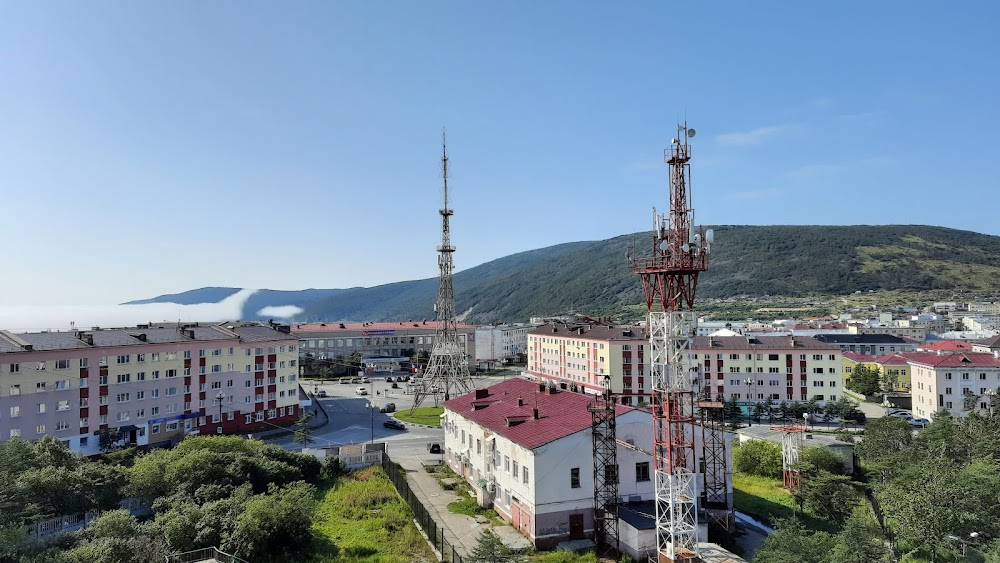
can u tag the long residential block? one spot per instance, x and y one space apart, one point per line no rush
149 385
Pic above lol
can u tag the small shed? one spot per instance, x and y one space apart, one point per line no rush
763 432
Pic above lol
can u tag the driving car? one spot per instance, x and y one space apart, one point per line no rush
361 391
388 407
901 414
921 422
394 424
322 393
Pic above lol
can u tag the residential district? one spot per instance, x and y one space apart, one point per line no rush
520 444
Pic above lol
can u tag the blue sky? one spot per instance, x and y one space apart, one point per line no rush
148 148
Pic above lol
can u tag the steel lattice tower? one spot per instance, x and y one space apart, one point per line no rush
602 412
448 366
715 496
669 281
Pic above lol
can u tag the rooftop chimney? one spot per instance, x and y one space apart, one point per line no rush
520 402
482 393
534 413
541 387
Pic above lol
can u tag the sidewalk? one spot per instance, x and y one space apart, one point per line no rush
462 531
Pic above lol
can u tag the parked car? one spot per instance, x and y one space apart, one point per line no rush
322 393
355 380
394 424
388 407
361 391
434 448
921 422
345 381
365 380
389 379
901 414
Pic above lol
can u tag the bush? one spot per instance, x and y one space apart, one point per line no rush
758 457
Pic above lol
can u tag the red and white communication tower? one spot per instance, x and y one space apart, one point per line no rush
669 280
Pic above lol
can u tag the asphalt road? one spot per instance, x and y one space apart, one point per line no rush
353 421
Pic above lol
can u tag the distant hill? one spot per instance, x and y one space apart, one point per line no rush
593 276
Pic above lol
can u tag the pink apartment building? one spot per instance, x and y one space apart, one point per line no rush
149 385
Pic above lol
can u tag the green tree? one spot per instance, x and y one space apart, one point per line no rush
302 434
865 380
883 440
758 457
791 542
276 525
490 549
823 458
826 495
860 542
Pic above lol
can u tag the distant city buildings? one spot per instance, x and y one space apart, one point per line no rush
373 340
872 343
502 344
148 385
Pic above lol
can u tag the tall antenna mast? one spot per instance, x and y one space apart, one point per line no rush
448 367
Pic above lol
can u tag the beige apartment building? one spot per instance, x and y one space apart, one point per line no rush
960 383
747 369
148 385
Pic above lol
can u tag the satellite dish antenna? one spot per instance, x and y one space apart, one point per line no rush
691 132
686 247
663 245
710 236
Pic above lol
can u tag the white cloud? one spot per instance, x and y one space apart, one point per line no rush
280 311
754 136
27 318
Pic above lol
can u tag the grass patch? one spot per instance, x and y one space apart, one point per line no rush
361 519
766 500
430 416
466 503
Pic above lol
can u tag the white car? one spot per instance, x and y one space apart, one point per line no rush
901 414
361 391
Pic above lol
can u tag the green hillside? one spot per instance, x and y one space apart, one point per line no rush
747 260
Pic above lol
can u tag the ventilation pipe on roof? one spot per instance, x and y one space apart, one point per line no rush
534 413
520 402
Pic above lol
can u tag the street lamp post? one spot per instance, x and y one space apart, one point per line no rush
750 382
219 397
371 408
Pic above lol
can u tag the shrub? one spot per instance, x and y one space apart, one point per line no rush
758 457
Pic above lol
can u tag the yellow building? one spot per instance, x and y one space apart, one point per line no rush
890 365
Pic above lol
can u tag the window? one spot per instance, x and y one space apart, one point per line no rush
642 471
15 389
62 364
171 426
574 478
15 412
513 470
141 413
217 351
15 368
41 408
248 418
122 397
62 406
40 429
124 359
154 411
40 366
84 440
817 356
524 472
216 385
124 377
171 373
155 393
40 387
506 464
141 376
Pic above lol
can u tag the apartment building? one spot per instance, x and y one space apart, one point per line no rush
988 345
147 385
959 383
578 357
502 343
374 340
901 329
871 344
752 369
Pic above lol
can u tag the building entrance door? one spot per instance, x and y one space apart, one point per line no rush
576 526
515 513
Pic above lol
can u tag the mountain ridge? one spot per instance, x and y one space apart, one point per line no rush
786 260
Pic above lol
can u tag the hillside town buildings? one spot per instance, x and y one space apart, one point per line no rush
960 383
148 385
871 344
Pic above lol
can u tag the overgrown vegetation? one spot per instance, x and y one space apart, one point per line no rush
936 490
246 497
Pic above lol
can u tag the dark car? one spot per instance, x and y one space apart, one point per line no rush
394 424
388 379
434 448
389 407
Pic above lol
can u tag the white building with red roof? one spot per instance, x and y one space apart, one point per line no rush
527 449
959 383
